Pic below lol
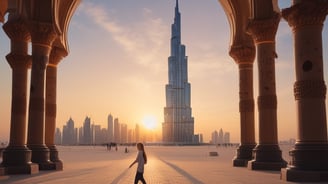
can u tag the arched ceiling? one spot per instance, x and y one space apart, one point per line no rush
66 10
238 13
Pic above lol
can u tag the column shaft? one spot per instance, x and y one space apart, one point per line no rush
244 57
310 154
267 100
17 157
56 56
267 154
43 36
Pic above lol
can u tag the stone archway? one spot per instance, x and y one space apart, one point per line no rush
45 23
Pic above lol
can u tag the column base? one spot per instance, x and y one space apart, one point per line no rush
309 163
16 156
17 160
55 158
294 175
267 157
41 156
244 154
310 156
19 169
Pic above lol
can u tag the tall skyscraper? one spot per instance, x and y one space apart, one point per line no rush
221 138
87 132
117 131
124 133
69 135
178 126
215 137
110 128
58 137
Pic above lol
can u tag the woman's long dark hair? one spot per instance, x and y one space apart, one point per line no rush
141 146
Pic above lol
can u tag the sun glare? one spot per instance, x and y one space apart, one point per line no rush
149 122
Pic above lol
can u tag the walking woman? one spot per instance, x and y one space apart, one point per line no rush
142 160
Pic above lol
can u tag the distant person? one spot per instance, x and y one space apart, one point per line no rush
142 160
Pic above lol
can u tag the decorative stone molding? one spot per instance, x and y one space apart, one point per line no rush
42 33
264 31
56 55
306 13
17 30
246 105
19 61
242 54
309 89
267 102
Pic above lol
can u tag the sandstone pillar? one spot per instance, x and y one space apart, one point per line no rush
42 35
244 57
310 154
17 157
56 56
267 154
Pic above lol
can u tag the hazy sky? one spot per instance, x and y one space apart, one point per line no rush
118 64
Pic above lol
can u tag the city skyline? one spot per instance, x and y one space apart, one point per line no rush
123 68
91 133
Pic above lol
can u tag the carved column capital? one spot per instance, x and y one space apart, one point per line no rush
42 33
264 31
242 54
56 55
17 30
19 60
305 13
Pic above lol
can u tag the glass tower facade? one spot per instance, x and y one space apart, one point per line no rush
178 126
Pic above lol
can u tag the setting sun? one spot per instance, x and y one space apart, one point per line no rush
150 122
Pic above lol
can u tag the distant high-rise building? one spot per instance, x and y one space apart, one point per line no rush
117 131
137 133
110 128
226 138
124 133
97 134
201 140
196 139
178 123
215 137
87 134
104 136
69 135
80 136
58 137
221 138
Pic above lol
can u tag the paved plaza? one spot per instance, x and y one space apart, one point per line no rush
166 165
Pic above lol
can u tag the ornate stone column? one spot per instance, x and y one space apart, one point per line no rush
17 157
310 154
267 154
244 57
42 35
56 56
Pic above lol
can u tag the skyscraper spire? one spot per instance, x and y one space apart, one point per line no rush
176 31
